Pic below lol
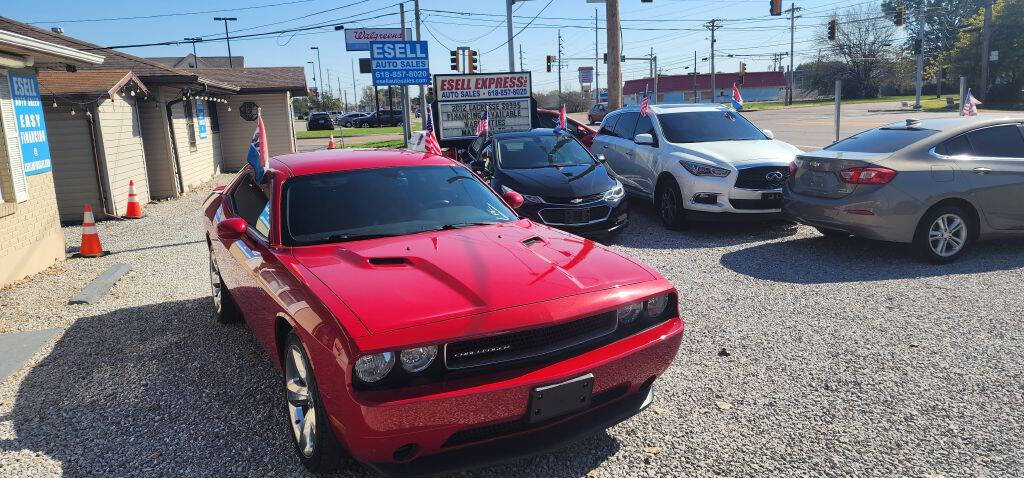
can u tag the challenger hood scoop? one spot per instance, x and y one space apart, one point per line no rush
393 283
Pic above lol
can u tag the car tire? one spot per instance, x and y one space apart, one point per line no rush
312 437
669 205
225 310
832 233
944 234
348 124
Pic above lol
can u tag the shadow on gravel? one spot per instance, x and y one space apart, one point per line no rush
821 260
163 390
696 234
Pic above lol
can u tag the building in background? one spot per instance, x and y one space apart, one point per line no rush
30 235
757 86
190 61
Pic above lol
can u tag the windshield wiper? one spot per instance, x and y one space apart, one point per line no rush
460 225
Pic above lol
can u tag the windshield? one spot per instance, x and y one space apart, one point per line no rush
370 203
881 140
541 151
705 126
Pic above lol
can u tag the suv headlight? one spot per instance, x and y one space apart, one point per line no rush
615 193
417 359
700 169
526 197
372 368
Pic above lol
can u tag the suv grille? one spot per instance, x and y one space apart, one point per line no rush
756 178
527 344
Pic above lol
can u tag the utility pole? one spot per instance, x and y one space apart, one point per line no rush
792 23
226 36
713 25
986 32
559 65
355 95
654 74
312 69
614 55
597 85
423 96
508 23
194 54
404 88
918 81
694 76
319 68
521 58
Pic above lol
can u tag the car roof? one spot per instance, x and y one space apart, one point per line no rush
677 107
332 160
527 133
954 124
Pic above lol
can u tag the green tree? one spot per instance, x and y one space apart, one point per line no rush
943 20
1006 75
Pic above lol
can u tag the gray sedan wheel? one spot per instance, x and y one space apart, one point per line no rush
943 234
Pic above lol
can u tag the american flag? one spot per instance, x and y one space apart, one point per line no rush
484 125
561 117
258 154
431 141
970 105
645 103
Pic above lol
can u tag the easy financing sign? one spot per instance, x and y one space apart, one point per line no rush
28 114
462 100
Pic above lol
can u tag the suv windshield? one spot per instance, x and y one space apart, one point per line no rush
881 140
705 126
542 151
370 203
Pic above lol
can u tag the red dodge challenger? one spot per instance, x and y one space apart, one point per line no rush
421 325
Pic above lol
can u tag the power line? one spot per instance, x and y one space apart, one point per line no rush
178 14
521 29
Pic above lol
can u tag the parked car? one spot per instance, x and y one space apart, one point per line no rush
423 322
381 118
597 113
582 132
319 121
562 183
938 184
347 120
696 162
335 116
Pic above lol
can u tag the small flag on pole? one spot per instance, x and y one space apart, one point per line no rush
258 156
431 143
737 100
645 103
484 125
970 105
561 117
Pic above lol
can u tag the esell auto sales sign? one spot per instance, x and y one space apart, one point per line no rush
462 99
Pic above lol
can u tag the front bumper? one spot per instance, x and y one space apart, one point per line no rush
616 218
711 195
492 410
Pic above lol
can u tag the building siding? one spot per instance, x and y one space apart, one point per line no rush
30 235
198 164
236 133
123 150
161 181
74 170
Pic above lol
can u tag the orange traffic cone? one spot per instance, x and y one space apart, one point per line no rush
134 210
90 240
330 144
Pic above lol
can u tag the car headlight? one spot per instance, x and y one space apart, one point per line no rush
371 368
628 313
655 306
615 193
699 169
526 197
417 359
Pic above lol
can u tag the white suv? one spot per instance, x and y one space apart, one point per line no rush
696 161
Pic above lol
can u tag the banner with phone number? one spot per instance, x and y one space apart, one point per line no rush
28 114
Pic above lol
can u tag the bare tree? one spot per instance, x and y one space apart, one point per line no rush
864 42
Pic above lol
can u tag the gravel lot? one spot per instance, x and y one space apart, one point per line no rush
844 358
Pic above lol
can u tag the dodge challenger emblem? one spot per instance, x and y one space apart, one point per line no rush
774 176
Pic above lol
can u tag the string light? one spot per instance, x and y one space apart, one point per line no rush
72 111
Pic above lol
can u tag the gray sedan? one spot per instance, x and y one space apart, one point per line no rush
938 184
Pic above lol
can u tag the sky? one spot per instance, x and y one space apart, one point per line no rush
672 28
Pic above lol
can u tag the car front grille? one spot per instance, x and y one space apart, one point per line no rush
570 216
757 177
569 200
752 204
516 346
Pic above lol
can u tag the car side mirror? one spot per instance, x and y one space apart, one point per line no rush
643 138
768 133
601 159
514 199
231 229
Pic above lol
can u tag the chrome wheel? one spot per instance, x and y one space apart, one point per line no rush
301 412
216 287
947 235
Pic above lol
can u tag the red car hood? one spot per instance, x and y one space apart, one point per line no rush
393 283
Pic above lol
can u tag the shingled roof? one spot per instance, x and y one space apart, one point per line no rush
265 79
148 70
92 83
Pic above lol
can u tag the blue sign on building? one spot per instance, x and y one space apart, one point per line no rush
28 114
201 118
400 63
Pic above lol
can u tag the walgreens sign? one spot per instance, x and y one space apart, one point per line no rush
358 39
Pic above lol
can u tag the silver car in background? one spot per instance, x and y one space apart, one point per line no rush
938 184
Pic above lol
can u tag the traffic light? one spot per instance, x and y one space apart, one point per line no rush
775 7
898 20
455 60
743 71
550 59
917 46
833 24
473 61
604 59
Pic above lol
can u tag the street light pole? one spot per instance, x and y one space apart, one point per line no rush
194 54
226 36
312 69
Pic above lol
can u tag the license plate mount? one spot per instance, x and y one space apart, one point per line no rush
553 401
771 196
576 216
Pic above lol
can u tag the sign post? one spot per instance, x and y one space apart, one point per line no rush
462 99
